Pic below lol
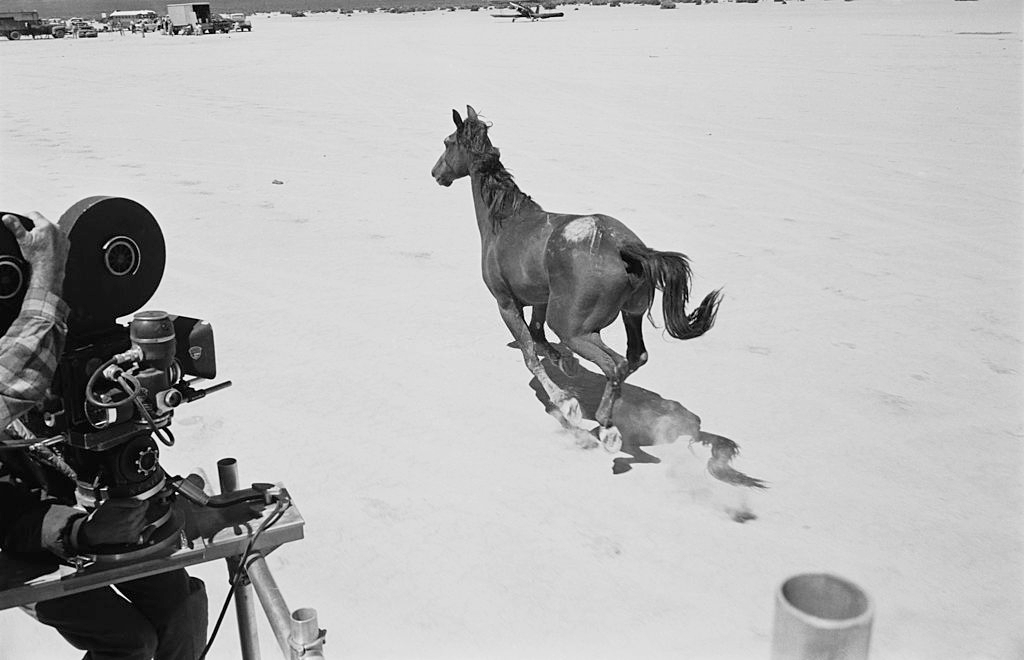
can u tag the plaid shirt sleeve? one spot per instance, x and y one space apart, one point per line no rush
29 352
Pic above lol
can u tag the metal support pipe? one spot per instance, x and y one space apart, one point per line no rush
307 638
818 615
272 600
227 471
245 607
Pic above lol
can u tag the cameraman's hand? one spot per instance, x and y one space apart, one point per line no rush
45 247
114 521
206 521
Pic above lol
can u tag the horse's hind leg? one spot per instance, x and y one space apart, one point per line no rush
567 406
636 352
591 347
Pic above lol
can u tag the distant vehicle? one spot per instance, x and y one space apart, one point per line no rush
241 22
196 18
522 11
221 23
81 27
125 18
18 24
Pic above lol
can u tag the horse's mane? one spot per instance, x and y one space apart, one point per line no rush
502 196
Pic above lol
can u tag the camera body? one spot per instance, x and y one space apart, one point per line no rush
114 395
117 385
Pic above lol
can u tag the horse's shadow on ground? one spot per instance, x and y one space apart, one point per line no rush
644 418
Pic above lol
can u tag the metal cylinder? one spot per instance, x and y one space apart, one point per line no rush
821 617
153 333
306 634
227 472
245 607
272 600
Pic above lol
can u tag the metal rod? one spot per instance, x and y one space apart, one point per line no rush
245 607
227 471
216 388
306 634
272 600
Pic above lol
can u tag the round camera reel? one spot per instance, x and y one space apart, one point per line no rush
14 274
116 259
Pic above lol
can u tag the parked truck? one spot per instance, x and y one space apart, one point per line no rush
240 22
196 18
17 24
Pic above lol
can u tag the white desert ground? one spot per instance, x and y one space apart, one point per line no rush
848 172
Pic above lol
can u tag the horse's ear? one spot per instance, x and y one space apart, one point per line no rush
470 112
456 118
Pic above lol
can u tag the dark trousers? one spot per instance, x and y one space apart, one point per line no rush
161 617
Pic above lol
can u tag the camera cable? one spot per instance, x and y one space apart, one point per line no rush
131 390
236 578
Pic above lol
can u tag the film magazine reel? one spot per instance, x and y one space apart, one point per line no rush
115 263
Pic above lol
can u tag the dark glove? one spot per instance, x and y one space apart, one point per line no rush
113 522
206 520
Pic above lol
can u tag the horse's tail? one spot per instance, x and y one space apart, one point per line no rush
723 450
670 273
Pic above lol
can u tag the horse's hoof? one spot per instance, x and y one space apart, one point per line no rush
570 408
611 439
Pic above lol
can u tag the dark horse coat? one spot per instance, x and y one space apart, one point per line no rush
577 272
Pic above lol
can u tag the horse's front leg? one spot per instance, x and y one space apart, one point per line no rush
564 403
537 318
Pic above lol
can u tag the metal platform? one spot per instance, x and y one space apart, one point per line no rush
24 581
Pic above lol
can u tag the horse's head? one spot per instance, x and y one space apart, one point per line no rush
467 144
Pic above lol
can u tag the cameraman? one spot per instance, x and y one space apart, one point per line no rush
163 616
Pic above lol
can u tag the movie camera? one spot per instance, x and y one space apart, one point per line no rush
116 386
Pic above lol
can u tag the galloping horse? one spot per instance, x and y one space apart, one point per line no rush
578 272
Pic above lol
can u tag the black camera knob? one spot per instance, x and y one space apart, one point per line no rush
172 399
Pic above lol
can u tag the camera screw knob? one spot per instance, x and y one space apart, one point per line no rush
147 460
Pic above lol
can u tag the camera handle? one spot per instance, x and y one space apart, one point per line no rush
264 493
189 394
